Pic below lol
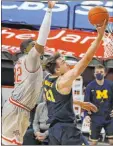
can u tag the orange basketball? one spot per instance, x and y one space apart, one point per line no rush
97 15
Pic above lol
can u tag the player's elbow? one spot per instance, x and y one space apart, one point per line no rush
81 65
39 48
77 72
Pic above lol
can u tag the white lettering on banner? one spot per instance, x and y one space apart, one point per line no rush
82 55
60 7
5 47
9 6
86 39
20 36
31 6
58 35
10 34
88 3
71 38
85 5
65 52
35 6
13 49
68 38
25 36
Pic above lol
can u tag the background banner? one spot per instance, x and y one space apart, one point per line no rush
66 14
62 40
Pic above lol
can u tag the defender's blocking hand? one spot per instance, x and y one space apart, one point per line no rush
51 4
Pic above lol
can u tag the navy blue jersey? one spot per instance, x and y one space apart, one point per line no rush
60 107
101 96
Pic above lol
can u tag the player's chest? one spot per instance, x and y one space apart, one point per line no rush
101 93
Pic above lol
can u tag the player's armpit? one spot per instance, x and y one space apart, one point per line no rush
32 61
39 48
65 81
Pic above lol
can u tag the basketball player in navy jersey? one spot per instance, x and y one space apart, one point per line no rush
100 93
58 92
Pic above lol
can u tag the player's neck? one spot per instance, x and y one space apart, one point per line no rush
54 75
100 82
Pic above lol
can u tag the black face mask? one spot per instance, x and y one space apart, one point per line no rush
99 76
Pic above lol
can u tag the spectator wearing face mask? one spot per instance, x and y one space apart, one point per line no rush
100 93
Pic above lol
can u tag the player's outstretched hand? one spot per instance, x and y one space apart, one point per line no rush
89 107
102 29
51 4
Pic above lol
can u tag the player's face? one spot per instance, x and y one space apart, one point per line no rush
99 73
62 66
30 46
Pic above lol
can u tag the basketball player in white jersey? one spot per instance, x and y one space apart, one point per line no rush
28 83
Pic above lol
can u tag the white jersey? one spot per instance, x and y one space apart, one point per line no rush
27 84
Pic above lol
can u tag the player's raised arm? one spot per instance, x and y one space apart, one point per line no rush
67 79
33 57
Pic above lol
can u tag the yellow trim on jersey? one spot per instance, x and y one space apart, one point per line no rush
47 83
53 76
56 85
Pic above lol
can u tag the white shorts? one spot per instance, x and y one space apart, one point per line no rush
15 122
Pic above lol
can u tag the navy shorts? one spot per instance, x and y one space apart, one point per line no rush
66 134
96 129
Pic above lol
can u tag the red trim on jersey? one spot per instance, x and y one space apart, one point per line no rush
31 71
3 86
11 141
19 104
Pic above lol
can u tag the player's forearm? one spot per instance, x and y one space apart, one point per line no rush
33 58
44 32
71 75
77 102
92 49
83 63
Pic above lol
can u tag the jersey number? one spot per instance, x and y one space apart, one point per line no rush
17 74
49 95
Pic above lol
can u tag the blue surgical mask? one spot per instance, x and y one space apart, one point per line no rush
99 76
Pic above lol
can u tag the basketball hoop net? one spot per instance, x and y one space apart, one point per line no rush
108 40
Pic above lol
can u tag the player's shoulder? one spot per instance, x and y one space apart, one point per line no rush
109 82
46 76
20 60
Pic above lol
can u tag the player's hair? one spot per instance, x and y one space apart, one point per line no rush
50 65
24 44
99 66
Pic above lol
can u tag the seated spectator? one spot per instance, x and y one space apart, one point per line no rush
39 133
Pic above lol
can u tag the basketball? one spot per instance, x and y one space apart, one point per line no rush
97 15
